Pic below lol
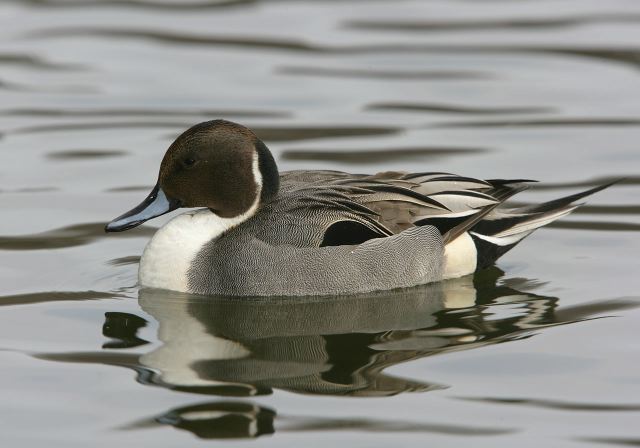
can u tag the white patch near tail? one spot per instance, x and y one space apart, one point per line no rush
460 257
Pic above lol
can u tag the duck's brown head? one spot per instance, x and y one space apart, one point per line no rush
216 164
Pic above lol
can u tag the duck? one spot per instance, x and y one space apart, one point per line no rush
255 231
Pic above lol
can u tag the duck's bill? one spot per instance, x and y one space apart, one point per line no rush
156 204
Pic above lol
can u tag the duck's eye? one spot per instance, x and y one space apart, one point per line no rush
189 162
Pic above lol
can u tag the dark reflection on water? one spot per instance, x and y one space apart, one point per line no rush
226 419
318 132
610 209
560 405
133 112
181 38
321 346
30 190
611 441
185 5
129 189
280 133
597 225
556 122
217 420
82 154
542 24
70 236
83 126
53 296
457 109
610 54
364 156
148 4
34 62
123 261
122 328
400 75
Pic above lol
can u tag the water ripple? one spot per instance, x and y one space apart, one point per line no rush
607 226
526 24
70 236
84 154
629 56
611 441
133 112
35 62
457 109
364 156
146 4
559 405
236 420
129 188
54 296
388 75
558 122
266 133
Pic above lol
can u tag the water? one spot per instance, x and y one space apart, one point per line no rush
541 349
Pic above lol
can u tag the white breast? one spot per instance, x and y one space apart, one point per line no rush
167 257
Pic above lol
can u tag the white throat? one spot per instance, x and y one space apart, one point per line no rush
168 256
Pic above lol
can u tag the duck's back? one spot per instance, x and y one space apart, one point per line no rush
328 232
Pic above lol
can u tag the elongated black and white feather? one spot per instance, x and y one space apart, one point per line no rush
457 206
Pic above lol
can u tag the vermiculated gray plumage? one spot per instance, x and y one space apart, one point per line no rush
391 230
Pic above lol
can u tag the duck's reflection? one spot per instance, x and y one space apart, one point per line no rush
218 420
334 346
330 346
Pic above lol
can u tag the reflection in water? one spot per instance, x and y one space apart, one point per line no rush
33 62
146 4
326 346
621 55
217 420
491 25
556 122
75 235
611 441
369 156
83 154
236 419
401 75
136 112
457 109
123 329
560 405
265 133
53 296
597 225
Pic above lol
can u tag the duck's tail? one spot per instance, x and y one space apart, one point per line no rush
502 229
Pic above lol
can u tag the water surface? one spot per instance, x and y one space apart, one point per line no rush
541 349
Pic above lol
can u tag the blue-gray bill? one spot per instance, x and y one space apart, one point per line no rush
156 204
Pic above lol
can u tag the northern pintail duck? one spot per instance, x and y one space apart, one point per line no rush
260 232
